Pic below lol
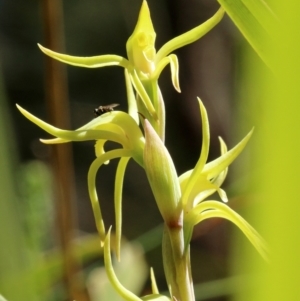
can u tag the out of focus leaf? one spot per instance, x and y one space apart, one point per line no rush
255 20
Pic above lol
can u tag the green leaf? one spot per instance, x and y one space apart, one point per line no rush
255 21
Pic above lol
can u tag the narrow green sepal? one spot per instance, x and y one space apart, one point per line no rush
215 209
215 167
87 62
118 202
197 171
190 36
122 291
154 287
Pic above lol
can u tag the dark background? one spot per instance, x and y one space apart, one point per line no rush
208 69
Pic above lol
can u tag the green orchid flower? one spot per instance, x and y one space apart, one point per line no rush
182 204
144 65
113 126
187 192
204 180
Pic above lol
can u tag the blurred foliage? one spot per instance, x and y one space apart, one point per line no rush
256 20
273 99
14 258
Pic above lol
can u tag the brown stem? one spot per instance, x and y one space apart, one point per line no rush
62 158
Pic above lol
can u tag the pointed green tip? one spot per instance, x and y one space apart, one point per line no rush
144 20
140 45
42 48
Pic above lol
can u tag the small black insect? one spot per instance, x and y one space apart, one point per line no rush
104 109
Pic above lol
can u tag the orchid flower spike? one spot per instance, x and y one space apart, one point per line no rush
144 65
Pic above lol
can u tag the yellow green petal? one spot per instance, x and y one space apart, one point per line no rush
97 163
154 287
131 98
215 167
142 93
190 36
122 291
118 201
79 135
212 209
173 61
87 62
197 171
99 148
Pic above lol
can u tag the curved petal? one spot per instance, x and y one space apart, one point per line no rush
97 163
191 181
118 201
190 36
173 61
87 62
153 282
142 93
203 194
213 168
122 291
221 177
210 209
183 178
108 131
116 126
131 99
205 189
99 148
222 194
67 136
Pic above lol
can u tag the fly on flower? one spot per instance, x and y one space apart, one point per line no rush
104 109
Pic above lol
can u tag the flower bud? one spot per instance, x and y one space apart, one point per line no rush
162 177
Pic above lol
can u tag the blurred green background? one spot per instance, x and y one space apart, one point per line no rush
217 68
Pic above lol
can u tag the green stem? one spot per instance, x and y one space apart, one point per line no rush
177 264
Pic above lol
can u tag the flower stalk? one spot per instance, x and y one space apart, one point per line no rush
177 264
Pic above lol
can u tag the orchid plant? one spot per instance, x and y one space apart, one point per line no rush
181 200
